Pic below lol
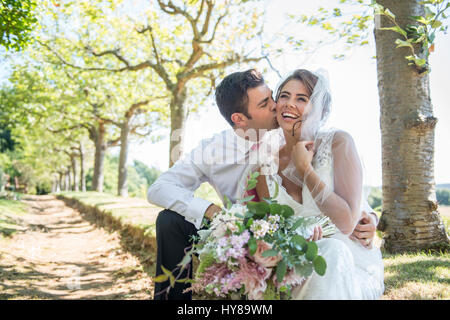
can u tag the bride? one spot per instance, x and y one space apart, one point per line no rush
319 173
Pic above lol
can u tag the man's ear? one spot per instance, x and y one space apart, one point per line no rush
239 120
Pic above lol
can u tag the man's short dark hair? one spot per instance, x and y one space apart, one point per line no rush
231 93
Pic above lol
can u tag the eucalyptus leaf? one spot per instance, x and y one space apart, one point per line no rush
281 270
320 265
270 253
312 251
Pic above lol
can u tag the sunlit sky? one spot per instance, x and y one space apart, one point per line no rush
355 99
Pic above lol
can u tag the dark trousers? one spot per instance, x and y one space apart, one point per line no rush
173 234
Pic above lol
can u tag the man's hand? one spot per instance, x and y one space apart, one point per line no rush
212 211
365 230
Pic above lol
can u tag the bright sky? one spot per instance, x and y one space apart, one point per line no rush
355 100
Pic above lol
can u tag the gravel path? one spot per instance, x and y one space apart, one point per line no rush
60 255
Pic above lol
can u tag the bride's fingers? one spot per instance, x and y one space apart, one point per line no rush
320 233
363 235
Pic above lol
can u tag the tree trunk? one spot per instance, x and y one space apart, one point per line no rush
74 173
60 182
178 114
410 218
82 170
100 152
122 189
67 180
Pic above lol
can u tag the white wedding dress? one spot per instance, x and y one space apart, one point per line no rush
353 271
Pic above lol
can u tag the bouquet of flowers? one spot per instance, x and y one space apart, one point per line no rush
255 250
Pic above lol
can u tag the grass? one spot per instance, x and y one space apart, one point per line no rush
133 211
10 212
417 276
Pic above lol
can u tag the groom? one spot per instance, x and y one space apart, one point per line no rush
246 103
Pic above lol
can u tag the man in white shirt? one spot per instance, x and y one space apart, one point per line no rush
246 102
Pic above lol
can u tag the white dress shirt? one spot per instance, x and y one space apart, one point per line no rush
221 161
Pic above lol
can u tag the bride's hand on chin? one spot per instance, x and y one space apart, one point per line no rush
302 155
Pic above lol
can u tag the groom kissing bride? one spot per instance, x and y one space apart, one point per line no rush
318 172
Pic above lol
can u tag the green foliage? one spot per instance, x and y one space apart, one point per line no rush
422 33
375 197
138 176
149 174
17 19
207 260
443 196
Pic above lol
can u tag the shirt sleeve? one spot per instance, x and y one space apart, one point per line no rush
174 189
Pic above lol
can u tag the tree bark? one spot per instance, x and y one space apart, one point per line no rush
178 114
82 168
67 180
410 218
100 152
122 188
74 173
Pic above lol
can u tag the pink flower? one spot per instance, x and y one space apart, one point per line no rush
253 277
267 262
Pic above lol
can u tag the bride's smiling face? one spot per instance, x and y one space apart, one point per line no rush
291 104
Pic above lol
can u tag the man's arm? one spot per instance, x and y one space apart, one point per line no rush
174 189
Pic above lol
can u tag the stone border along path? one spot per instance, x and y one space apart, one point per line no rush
65 254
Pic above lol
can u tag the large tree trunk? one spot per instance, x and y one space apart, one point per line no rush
122 188
410 218
82 168
178 113
100 152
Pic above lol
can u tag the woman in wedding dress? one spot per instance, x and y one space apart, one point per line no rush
319 173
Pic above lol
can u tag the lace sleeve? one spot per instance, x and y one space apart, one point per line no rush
347 179
340 200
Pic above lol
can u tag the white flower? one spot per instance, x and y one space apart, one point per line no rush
260 228
237 209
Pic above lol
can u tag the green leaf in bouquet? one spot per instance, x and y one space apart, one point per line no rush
249 223
260 209
281 270
297 223
254 175
320 265
304 269
206 260
300 242
286 211
268 200
240 226
270 253
251 184
239 215
248 215
184 262
246 199
277 189
252 245
227 202
166 272
161 278
275 208
172 281
311 252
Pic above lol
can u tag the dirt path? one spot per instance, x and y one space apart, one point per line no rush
60 255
